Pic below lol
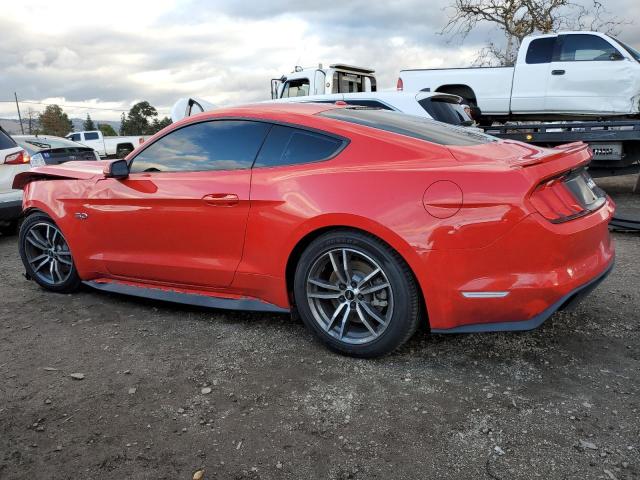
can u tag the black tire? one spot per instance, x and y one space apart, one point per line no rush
402 308
64 278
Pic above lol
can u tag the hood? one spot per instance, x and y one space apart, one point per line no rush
66 171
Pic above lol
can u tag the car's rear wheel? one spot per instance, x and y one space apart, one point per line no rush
46 255
356 294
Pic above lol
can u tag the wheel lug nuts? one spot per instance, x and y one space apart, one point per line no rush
360 297
341 298
353 304
342 286
354 284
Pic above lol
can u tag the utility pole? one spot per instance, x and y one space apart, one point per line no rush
19 116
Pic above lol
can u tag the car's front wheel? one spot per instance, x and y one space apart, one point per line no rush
356 294
46 255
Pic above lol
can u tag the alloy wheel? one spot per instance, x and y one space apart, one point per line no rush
47 253
349 295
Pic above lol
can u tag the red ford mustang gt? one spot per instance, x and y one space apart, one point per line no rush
367 222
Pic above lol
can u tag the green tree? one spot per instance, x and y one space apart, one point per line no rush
53 121
88 124
107 130
138 120
158 125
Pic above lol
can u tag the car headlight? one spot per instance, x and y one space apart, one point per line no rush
97 155
37 160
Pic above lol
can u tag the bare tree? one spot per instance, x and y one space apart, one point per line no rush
519 18
32 121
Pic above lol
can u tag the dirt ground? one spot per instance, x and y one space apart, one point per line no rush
561 402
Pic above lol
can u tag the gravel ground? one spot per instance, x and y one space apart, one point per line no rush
168 390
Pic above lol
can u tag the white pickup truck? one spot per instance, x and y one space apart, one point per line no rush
338 78
107 147
568 75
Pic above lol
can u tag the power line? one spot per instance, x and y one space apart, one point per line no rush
68 106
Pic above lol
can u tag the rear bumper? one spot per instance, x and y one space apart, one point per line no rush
522 278
566 302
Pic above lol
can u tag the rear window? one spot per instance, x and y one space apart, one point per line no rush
91 136
291 146
443 111
5 140
540 50
411 126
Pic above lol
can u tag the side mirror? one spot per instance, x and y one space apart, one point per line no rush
116 169
616 56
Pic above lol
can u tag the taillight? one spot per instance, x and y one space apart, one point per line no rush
567 197
400 85
18 158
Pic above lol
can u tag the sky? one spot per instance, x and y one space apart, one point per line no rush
109 55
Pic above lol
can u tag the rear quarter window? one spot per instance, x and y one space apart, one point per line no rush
410 126
292 146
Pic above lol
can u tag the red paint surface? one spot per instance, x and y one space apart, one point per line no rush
173 229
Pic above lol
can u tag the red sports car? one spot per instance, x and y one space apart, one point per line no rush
366 222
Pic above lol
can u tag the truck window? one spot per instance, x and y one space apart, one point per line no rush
296 88
91 136
75 137
344 82
584 48
540 50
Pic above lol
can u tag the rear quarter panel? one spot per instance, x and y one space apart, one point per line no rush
363 188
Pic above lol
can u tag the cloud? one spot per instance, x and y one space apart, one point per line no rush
224 51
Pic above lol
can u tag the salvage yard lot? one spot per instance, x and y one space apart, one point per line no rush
560 402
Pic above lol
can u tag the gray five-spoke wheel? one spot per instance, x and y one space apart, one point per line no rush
48 254
349 295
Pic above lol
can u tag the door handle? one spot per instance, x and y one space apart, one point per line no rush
557 72
221 199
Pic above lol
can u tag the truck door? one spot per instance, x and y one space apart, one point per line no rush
298 87
531 75
588 74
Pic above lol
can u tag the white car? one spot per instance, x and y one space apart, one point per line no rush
13 160
442 107
568 74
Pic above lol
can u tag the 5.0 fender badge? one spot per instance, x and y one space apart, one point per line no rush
81 215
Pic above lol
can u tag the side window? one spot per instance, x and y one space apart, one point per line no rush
91 136
290 146
369 103
540 50
296 88
75 137
584 47
215 145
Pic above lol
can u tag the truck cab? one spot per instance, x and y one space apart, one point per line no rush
338 78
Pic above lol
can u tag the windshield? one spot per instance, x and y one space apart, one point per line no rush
632 51
36 144
411 126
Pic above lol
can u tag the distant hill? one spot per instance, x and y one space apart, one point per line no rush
13 126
